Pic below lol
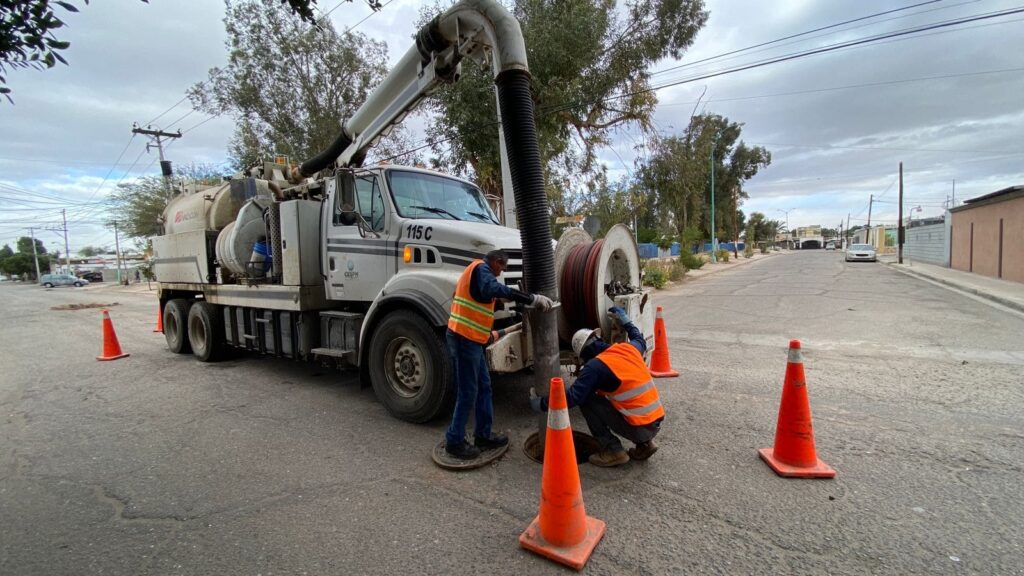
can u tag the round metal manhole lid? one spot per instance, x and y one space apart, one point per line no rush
584 443
449 462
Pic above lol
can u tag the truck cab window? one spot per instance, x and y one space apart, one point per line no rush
371 202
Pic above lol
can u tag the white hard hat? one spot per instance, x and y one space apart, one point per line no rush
582 337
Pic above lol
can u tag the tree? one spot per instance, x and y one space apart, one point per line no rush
289 86
25 246
588 62
27 39
678 171
90 251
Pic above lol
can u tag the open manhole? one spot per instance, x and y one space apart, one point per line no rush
585 445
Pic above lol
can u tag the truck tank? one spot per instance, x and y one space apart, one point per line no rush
211 209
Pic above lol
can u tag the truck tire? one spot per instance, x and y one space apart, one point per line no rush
409 367
205 332
175 325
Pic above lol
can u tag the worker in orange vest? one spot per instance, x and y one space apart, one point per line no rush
469 332
615 393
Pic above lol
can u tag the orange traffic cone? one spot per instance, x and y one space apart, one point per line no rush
111 348
661 366
562 531
159 320
793 455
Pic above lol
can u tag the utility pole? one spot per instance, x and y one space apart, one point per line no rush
35 255
953 203
900 231
67 251
847 243
735 230
867 234
158 136
714 243
117 253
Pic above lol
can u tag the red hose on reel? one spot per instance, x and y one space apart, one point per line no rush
579 300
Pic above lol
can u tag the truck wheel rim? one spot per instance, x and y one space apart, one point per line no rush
405 367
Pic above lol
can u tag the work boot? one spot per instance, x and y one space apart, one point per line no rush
462 451
643 450
495 441
609 458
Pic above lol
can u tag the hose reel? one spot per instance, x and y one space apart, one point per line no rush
591 274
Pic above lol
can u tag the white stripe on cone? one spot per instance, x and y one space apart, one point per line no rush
796 356
558 419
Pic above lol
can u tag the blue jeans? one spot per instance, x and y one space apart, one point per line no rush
473 385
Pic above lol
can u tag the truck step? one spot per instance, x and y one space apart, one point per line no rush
334 352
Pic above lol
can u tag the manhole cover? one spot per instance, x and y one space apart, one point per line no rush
585 445
448 462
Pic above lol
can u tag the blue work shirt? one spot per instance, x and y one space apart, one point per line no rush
484 287
595 374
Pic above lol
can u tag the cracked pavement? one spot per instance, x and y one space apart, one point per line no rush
158 464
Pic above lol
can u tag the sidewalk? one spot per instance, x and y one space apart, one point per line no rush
708 268
1009 294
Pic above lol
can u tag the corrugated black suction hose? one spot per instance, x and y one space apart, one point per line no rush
323 159
527 180
520 130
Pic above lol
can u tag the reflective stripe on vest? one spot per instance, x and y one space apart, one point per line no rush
469 318
636 398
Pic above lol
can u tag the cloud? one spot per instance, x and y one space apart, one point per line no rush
131 61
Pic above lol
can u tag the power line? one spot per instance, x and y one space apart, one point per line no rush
792 56
777 40
852 86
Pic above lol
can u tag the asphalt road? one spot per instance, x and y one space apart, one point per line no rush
158 464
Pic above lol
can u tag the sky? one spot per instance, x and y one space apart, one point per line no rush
947 103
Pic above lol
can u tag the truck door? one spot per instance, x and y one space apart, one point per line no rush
360 255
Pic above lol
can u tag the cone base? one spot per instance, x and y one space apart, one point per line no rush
157 331
572 556
106 358
819 470
667 374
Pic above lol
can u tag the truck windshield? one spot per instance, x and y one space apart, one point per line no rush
419 195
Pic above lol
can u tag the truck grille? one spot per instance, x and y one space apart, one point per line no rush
513 274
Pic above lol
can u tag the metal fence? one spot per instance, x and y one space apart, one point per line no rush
928 244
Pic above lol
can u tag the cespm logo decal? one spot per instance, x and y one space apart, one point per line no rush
180 216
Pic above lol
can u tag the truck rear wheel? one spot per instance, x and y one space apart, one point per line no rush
175 325
205 332
409 367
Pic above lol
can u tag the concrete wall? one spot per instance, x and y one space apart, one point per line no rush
976 232
927 244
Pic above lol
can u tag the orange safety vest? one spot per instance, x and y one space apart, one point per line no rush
636 398
470 319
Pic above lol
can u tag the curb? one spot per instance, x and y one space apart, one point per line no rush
980 293
686 279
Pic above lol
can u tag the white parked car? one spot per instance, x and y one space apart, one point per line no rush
861 252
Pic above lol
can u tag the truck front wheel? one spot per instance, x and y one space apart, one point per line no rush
205 332
175 325
409 367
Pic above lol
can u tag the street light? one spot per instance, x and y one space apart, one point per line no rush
789 243
714 236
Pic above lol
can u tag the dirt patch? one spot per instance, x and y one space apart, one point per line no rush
82 306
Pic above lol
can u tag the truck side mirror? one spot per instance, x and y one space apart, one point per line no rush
345 201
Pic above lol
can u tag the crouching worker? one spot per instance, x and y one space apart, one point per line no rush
469 330
615 393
